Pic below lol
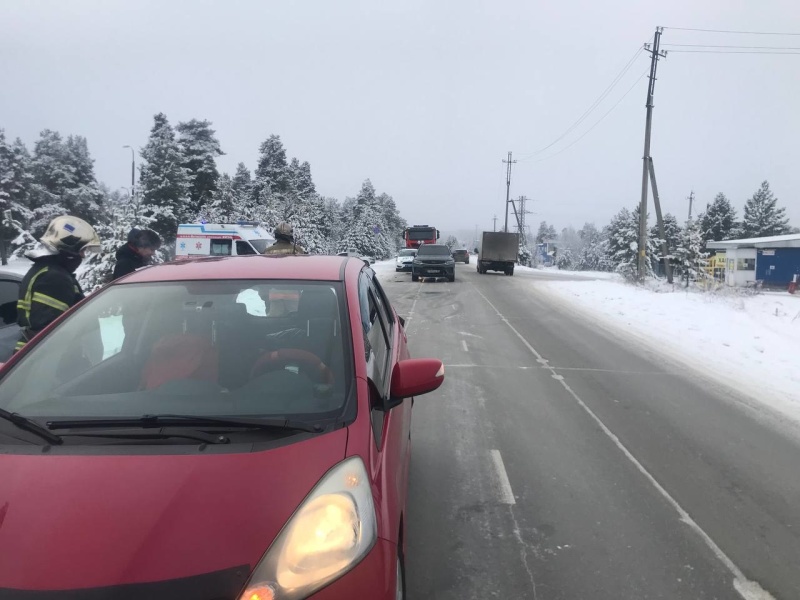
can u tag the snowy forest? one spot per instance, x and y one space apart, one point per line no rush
615 246
178 182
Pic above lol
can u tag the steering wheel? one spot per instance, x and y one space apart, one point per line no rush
315 369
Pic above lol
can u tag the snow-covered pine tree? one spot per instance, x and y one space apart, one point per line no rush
334 223
762 217
565 260
51 171
690 254
222 207
545 233
365 228
15 180
673 233
272 183
84 198
592 253
395 224
242 185
451 242
308 220
622 245
164 182
718 222
305 210
63 180
200 149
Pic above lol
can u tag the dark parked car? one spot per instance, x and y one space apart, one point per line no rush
461 256
433 260
9 330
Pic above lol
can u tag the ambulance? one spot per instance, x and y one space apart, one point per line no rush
221 239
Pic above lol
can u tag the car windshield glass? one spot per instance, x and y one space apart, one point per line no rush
407 253
213 348
433 249
421 234
260 245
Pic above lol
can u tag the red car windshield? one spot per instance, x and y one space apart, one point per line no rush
211 348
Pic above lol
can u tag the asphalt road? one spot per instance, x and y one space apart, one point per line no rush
561 461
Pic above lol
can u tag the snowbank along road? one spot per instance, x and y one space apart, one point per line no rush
560 461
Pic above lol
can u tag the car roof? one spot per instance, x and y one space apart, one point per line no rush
13 274
259 266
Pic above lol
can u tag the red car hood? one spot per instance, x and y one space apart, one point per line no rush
70 522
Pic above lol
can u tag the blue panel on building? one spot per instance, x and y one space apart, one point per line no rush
777 266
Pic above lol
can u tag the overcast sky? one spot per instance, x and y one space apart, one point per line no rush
424 97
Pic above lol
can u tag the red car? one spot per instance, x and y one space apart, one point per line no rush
220 428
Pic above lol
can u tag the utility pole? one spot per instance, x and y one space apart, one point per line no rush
509 162
688 233
655 54
660 221
494 223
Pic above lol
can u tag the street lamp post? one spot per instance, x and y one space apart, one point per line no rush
133 170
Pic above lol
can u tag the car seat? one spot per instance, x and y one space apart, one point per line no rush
191 354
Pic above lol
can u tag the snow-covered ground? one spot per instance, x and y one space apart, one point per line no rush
571 274
749 342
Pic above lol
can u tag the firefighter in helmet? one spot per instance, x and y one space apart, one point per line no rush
285 242
50 288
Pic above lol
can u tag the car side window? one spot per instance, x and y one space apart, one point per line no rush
221 247
243 248
384 304
376 339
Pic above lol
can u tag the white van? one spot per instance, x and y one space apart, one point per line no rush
221 239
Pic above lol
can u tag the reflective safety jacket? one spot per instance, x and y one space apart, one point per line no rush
47 291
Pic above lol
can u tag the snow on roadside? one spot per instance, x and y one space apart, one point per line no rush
749 342
555 271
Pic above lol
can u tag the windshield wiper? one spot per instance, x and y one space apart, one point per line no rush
31 426
187 421
161 433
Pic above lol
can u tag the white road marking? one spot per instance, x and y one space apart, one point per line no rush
464 345
413 306
467 333
749 590
505 485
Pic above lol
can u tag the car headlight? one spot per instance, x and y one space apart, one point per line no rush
331 531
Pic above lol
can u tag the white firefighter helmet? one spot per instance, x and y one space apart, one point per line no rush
67 235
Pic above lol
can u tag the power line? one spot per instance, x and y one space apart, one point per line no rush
730 31
589 110
630 89
747 47
731 52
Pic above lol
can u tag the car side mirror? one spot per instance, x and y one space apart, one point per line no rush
414 377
